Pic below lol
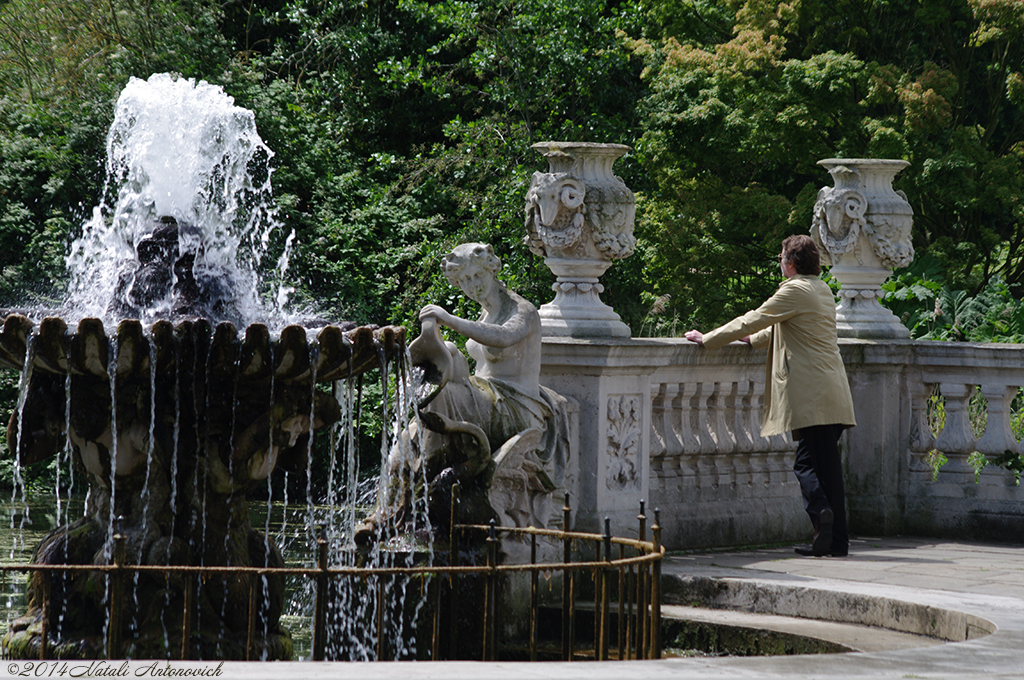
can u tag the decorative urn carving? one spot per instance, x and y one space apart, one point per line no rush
862 227
579 218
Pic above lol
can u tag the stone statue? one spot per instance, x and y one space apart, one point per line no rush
498 433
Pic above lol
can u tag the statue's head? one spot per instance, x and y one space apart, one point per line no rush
467 256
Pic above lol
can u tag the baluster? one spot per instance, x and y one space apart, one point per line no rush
660 429
786 457
779 467
921 437
689 444
998 436
748 467
688 408
717 440
705 414
725 409
956 439
773 470
705 401
725 419
757 405
761 471
669 470
742 429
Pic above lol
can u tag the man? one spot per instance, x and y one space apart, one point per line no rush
806 391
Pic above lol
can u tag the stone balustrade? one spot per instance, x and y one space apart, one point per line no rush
677 425
961 404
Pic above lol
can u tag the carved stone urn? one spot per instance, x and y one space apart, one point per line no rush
862 227
579 218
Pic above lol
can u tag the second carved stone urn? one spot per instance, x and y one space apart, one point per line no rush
579 218
862 228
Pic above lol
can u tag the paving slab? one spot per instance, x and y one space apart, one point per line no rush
971 588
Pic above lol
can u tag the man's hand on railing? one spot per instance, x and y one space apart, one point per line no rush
698 337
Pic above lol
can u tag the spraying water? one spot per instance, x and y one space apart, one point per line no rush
187 212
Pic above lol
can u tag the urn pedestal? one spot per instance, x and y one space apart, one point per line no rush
862 228
579 218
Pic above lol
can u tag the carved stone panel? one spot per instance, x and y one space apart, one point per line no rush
624 442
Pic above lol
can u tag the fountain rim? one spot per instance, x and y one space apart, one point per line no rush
382 343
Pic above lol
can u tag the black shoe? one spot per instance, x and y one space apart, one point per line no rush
822 544
809 552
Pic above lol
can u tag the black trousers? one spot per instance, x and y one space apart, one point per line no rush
819 469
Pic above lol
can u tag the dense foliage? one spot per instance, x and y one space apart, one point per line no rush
402 127
745 97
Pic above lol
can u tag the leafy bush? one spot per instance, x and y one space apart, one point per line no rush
932 310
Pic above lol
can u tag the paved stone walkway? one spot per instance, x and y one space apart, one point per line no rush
975 587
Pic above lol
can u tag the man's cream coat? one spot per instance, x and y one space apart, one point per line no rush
805 379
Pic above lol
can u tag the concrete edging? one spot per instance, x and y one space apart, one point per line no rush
811 601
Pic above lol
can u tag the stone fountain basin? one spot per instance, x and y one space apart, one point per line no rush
173 425
233 377
335 353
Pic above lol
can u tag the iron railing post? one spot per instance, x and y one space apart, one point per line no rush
656 588
116 593
186 616
250 644
320 611
568 610
491 594
453 560
534 575
641 591
380 618
605 620
620 601
44 587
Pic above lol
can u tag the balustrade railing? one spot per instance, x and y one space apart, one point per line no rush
974 426
709 464
706 432
701 459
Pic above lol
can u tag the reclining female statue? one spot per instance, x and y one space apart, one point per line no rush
499 433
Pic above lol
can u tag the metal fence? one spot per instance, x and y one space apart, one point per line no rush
622 592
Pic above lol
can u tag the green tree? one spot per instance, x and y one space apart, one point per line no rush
423 114
746 96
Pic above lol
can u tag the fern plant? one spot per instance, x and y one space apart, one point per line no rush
932 310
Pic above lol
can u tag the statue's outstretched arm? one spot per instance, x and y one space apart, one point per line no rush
493 335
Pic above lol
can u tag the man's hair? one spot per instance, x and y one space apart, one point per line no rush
800 251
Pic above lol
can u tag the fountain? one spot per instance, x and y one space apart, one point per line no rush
174 381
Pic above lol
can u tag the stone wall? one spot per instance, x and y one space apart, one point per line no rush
665 421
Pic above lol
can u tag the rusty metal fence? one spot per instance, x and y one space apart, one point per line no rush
617 590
